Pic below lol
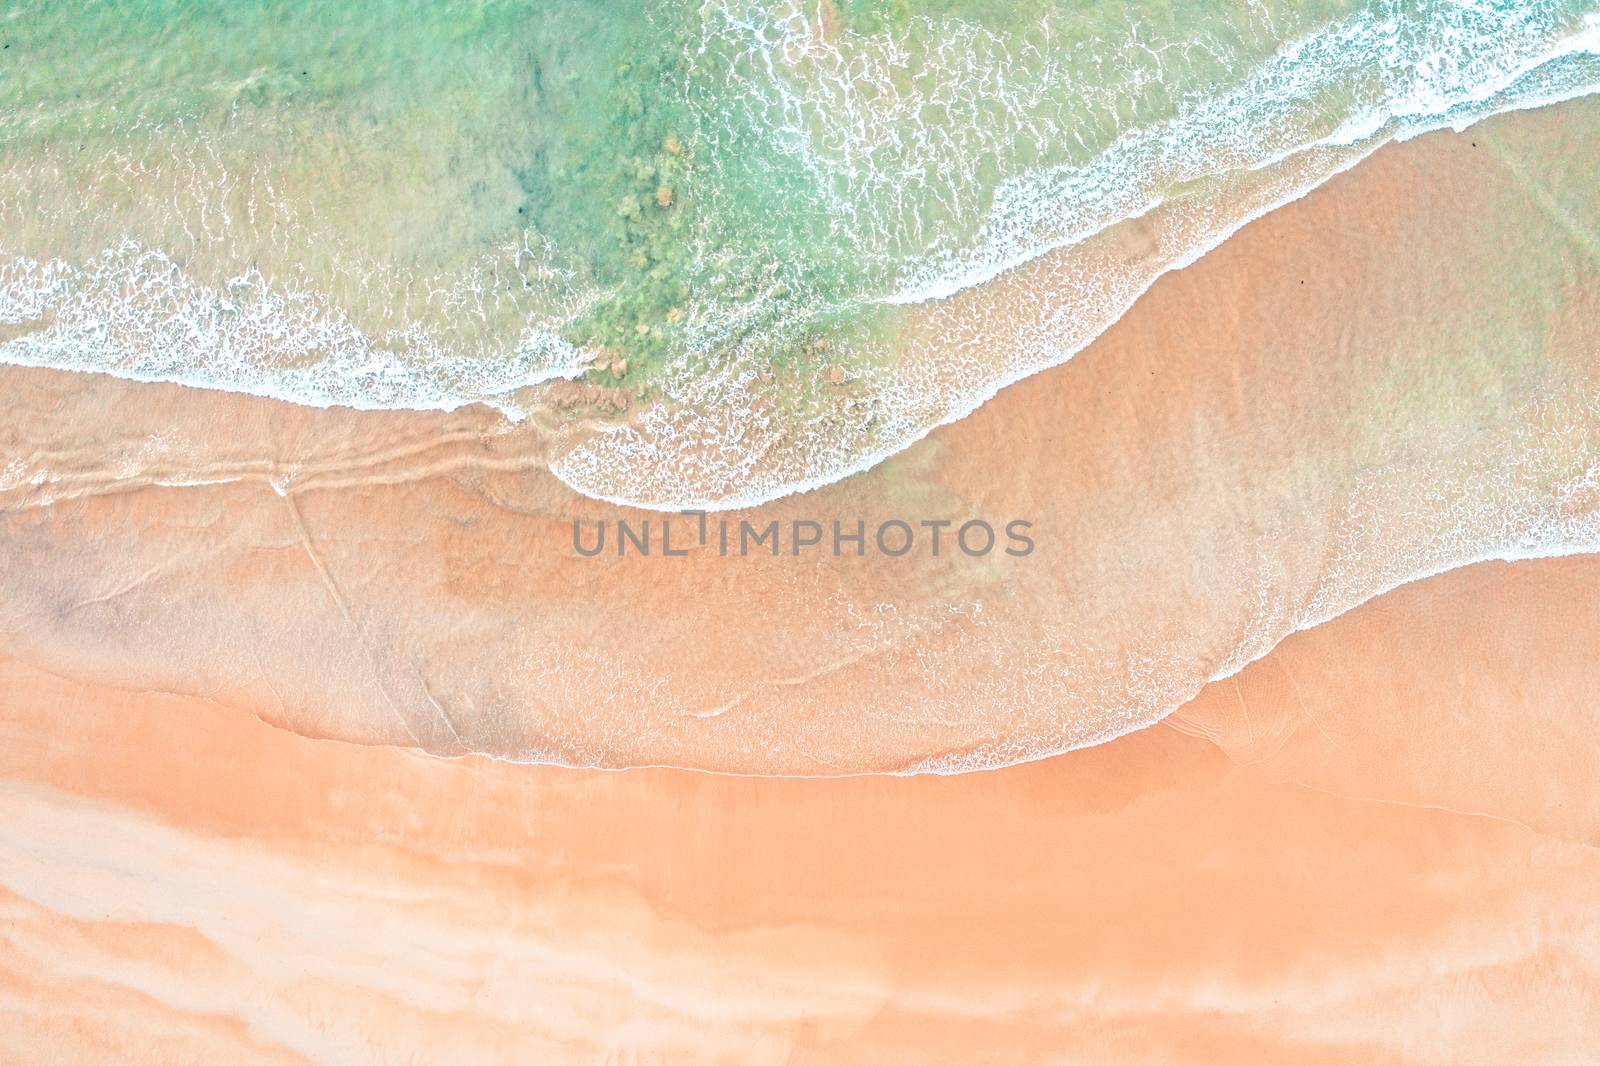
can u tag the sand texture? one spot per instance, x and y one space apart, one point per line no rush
1352 853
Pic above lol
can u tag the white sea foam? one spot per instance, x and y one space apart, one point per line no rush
132 312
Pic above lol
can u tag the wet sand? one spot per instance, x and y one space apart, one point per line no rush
1356 390
1378 856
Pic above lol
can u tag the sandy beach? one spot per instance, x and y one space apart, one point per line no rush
280 688
1340 856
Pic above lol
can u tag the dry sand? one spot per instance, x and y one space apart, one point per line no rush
1393 861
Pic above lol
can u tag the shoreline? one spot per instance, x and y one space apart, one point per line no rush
1177 648
575 454
1240 456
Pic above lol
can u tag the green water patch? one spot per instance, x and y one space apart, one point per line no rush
704 237
117 67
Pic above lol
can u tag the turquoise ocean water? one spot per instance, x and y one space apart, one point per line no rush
751 215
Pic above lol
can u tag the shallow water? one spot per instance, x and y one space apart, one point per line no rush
736 211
